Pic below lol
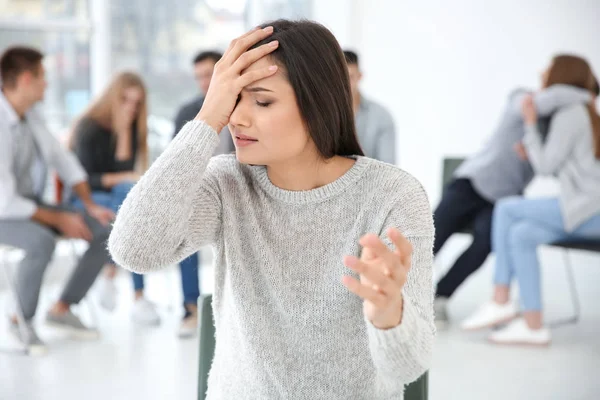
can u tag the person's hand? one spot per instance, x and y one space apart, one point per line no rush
131 176
72 225
528 110
521 152
122 123
228 81
382 276
101 214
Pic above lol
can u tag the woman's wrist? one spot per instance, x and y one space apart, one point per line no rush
209 121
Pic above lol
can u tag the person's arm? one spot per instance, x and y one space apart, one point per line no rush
403 353
174 209
12 205
553 98
547 158
396 284
386 139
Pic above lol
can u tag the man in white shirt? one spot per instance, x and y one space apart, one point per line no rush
27 152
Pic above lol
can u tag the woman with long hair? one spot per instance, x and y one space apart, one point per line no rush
571 151
323 282
110 140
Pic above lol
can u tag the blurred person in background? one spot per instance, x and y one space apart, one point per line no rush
495 172
520 225
374 124
27 151
204 65
110 140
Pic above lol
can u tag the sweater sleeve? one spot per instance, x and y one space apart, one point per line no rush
174 209
403 353
552 99
546 159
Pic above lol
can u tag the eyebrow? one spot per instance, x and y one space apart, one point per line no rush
257 89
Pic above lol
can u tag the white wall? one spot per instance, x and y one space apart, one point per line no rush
444 68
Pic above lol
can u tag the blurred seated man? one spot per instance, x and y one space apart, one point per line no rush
495 172
27 151
374 124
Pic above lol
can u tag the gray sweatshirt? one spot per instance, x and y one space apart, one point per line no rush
286 326
569 153
497 171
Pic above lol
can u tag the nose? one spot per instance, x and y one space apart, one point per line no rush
240 115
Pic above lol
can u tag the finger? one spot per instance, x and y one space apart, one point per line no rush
379 281
249 57
374 243
365 292
403 247
84 231
250 77
227 51
240 45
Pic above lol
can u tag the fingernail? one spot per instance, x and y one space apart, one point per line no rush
273 68
274 43
268 29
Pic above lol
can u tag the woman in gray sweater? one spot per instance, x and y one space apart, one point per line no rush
323 282
520 225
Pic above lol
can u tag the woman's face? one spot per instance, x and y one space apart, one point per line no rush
266 124
131 100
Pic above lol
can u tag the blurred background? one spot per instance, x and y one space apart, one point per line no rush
442 69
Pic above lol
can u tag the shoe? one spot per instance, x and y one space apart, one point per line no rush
70 324
107 293
144 313
489 315
189 325
518 332
31 342
440 306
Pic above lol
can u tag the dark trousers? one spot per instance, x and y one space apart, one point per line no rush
460 209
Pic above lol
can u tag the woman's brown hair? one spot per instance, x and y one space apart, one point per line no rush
575 71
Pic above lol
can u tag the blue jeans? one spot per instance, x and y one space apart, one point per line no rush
113 200
190 281
519 226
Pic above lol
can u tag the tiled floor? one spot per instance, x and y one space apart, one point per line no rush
136 363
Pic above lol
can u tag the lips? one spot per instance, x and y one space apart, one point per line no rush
239 136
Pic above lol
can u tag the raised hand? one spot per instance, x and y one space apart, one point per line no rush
228 80
383 274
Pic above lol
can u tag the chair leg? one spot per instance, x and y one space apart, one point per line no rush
573 292
12 287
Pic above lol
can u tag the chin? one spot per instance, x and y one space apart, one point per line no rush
246 157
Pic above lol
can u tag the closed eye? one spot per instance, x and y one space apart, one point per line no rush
261 104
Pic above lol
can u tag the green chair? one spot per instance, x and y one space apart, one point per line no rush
450 165
418 390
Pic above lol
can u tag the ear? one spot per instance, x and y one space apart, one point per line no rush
360 75
25 78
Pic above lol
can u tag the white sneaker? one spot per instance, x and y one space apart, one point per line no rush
107 293
489 315
517 332
144 312
440 306
189 326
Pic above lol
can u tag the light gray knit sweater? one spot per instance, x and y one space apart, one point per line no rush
286 326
